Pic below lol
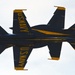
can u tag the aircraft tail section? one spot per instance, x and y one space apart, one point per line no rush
2 31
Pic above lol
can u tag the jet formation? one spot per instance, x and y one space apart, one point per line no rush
25 38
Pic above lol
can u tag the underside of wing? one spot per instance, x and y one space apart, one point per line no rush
57 21
55 50
21 55
20 24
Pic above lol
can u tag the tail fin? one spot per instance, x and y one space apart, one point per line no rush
2 31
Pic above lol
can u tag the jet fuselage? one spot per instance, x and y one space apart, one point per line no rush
37 38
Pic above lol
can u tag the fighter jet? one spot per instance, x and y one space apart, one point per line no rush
26 38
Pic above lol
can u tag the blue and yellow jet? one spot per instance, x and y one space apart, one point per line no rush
25 38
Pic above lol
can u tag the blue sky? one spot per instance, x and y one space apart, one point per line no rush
38 12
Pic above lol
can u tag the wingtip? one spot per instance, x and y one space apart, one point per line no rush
19 10
18 68
60 7
53 58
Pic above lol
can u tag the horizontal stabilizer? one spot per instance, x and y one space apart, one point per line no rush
55 50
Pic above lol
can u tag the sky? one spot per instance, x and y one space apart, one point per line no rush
38 12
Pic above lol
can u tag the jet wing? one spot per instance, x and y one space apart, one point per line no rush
21 54
20 24
55 50
57 21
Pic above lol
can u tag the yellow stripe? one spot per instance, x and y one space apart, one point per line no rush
19 68
19 10
60 8
53 58
49 32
